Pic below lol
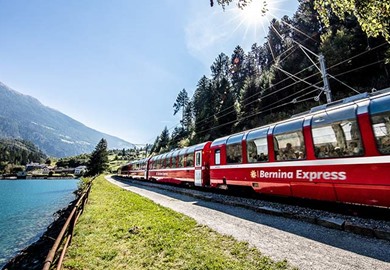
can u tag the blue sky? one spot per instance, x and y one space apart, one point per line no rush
117 66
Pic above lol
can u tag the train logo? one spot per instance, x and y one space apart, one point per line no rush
253 174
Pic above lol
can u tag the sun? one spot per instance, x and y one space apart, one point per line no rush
256 12
252 21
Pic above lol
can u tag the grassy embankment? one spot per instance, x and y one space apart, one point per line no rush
122 230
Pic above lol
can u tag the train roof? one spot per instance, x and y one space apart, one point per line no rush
347 100
179 151
299 118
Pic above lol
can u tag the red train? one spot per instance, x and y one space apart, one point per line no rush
336 152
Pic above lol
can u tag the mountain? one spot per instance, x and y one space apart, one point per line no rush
56 134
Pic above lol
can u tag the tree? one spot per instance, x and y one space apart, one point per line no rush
227 115
373 16
181 102
164 140
220 67
204 109
155 147
237 70
249 104
178 134
98 162
187 117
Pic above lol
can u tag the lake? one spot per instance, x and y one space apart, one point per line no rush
26 210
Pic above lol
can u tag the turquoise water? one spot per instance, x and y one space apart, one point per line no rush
27 208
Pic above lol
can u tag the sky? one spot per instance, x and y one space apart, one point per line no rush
117 66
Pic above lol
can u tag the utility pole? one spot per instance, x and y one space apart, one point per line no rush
327 91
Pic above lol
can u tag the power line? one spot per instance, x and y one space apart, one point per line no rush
280 60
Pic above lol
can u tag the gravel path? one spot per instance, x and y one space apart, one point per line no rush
303 245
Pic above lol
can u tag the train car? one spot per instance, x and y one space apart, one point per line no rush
124 170
138 169
336 152
189 166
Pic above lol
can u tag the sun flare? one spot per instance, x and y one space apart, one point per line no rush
253 20
256 12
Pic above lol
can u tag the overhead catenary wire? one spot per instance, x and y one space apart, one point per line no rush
250 97
333 76
287 103
231 107
318 73
293 48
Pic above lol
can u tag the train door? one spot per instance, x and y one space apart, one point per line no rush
198 168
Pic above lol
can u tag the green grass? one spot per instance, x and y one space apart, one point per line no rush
122 230
114 165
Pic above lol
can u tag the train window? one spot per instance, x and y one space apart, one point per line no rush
234 149
257 146
180 163
154 163
157 163
381 126
234 153
198 159
168 163
174 162
163 163
289 146
288 141
334 136
190 159
217 155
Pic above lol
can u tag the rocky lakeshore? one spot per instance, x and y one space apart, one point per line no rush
33 257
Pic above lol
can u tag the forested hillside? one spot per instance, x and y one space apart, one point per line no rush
19 152
279 78
55 133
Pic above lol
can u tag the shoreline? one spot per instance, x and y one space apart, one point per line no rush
33 256
39 178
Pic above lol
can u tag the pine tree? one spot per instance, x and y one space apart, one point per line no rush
237 71
164 139
155 147
187 117
181 102
98 162
204 109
